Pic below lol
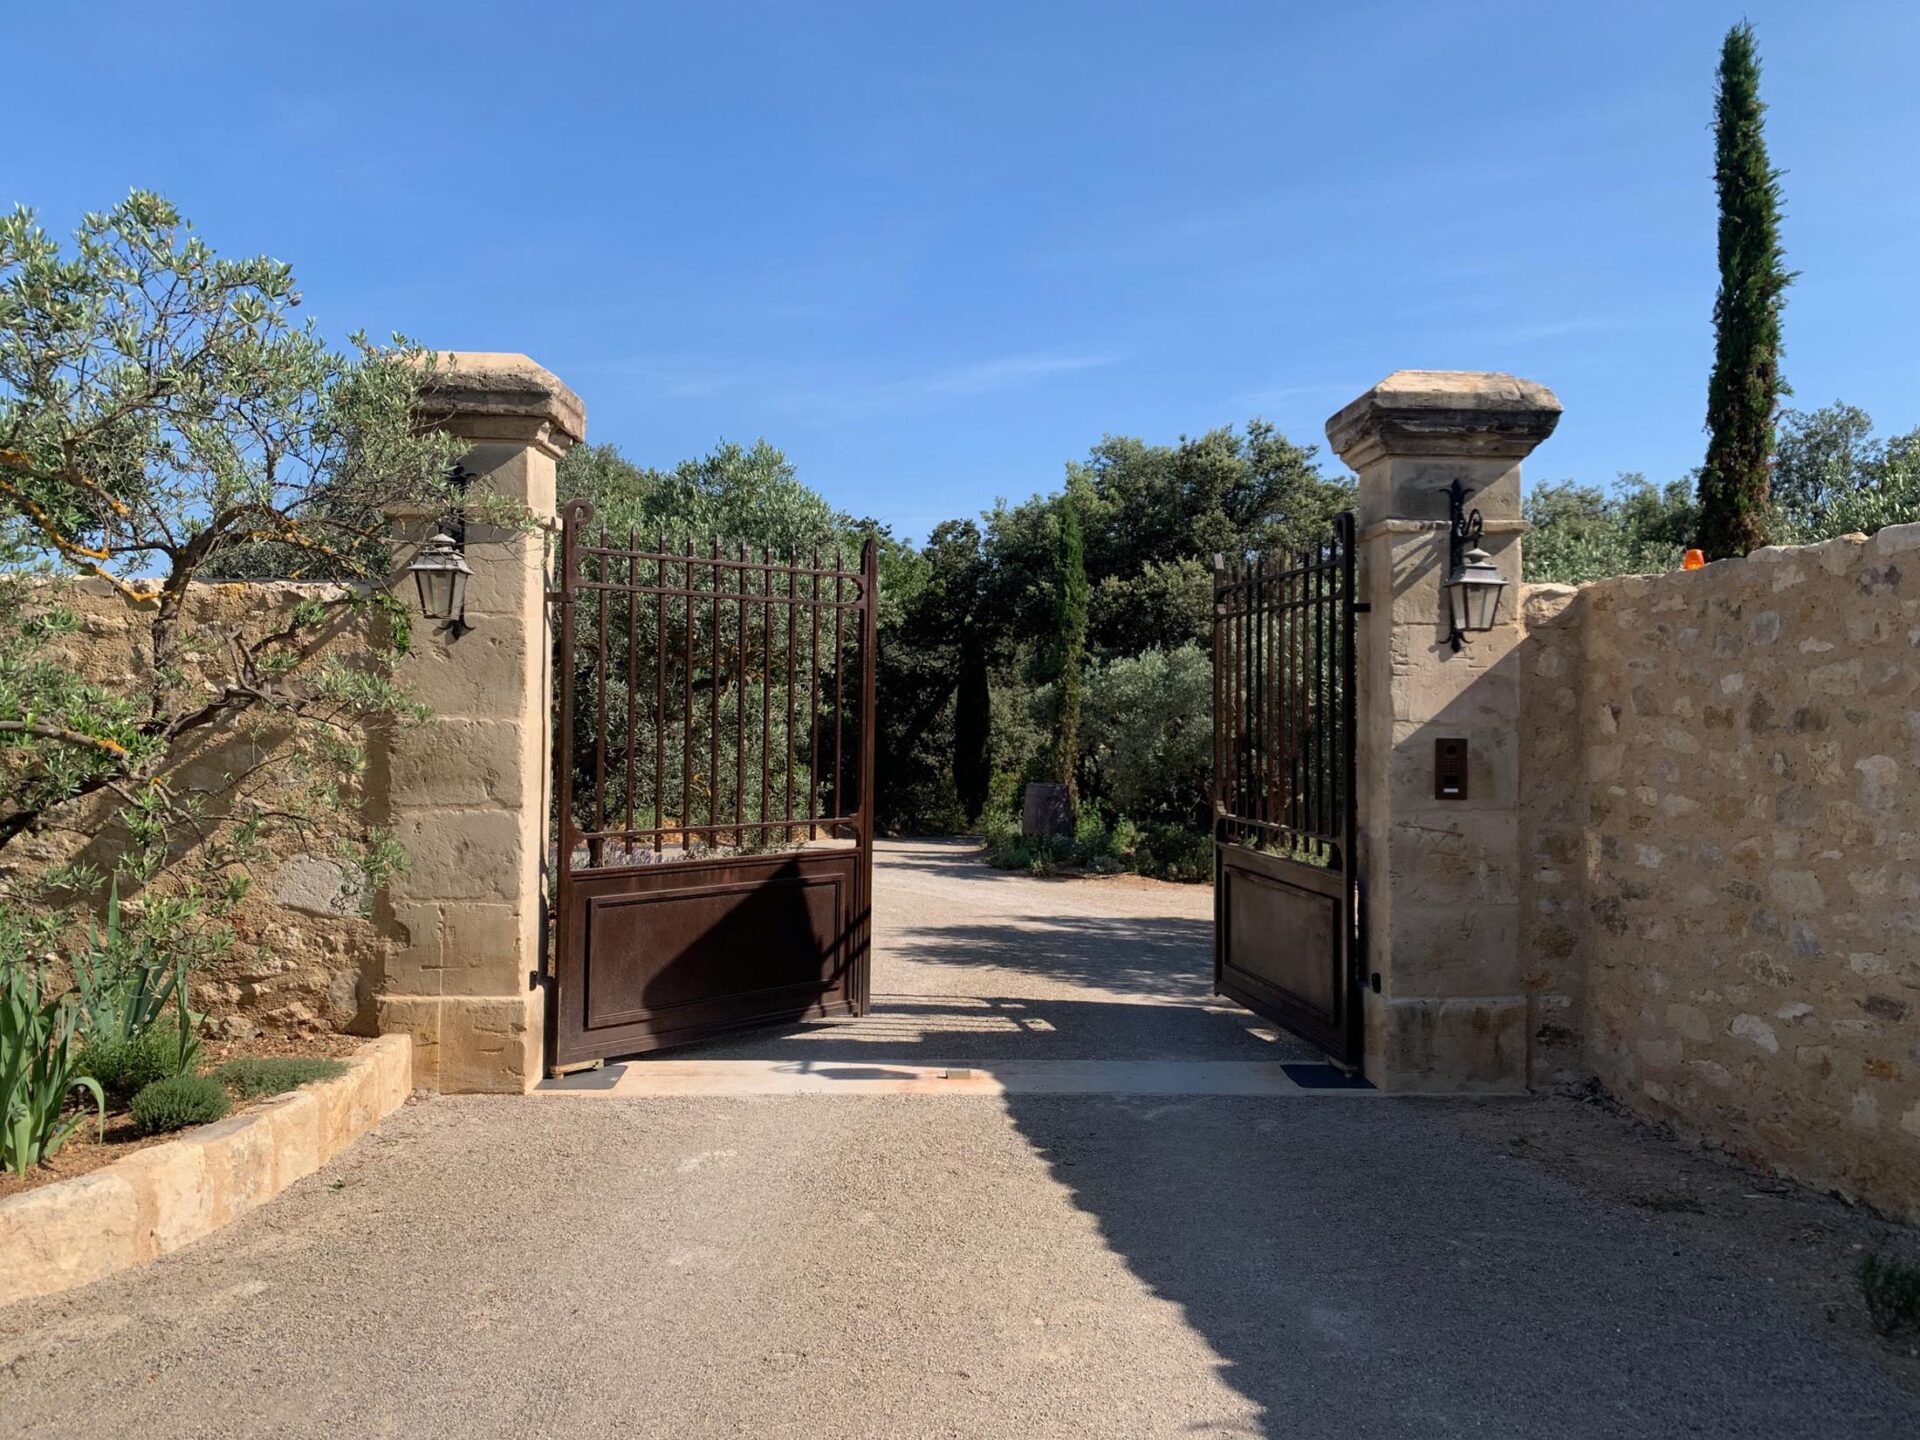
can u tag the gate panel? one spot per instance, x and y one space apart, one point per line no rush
713 783
1286 883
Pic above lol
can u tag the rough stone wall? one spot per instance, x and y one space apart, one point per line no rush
1553 835
305 956
1746 884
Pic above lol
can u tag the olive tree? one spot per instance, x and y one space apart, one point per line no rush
165 419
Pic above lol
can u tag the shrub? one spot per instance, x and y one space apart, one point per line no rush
124 1067
1167 852
1891 1289
177 1102
39 1067
252 1077
1174 852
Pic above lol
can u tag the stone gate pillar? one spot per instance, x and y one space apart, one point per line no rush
467 795
1445 1003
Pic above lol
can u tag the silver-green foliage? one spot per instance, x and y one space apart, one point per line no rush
177 1102
253 1077
165 418
1149 733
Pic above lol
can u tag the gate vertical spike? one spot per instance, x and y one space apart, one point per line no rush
686 712
1309 678
596 848
1243 675
1303 692
742 584
813 708
1219 570
1263 702
839 678
713 702
766 686
633 678
659 692
1289 738
1255 575
793 581
869 678
1323 675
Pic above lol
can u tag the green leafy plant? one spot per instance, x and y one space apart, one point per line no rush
125 1066
124 982
254 1077
1891 1288
128 978
177 1102
40 1068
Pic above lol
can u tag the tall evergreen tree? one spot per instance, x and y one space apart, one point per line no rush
1070 639
972 729
1746 384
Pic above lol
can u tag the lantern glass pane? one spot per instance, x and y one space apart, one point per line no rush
1457 603
436 591
1483 603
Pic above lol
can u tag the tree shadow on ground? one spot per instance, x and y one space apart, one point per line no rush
979 1029
1361 1269
1158 956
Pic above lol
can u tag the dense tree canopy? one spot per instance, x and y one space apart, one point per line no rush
1832 476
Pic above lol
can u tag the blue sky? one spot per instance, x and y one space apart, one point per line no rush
935 252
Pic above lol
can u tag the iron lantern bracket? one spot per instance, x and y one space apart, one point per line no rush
1464 528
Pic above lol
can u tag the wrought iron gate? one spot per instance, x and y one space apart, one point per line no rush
1286 881
713 791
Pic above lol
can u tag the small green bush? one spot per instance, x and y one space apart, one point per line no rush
252 1077
1891 1289
125 1067
1168 852
177 1102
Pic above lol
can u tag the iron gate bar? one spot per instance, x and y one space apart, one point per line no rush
1287 896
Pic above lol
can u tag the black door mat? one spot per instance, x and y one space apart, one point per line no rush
1315 1075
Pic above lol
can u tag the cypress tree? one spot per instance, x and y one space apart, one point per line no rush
1071 595
972 730
1746 385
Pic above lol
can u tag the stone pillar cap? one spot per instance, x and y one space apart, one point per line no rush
1479 413
478 393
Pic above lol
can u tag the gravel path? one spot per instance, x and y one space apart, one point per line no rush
1021 1266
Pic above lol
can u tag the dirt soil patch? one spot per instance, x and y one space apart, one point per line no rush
1805 1244
89 1147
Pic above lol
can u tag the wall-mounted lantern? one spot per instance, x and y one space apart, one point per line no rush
1474 582
441 572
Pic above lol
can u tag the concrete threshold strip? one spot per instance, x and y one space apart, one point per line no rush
659 1079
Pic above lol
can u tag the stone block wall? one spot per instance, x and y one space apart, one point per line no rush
1721 853
307 955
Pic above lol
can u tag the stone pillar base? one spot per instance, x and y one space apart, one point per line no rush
1436 1046
471 1044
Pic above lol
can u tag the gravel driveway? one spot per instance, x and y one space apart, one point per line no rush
1019 1266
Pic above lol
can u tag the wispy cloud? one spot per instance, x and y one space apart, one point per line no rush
1281 396
1006 372
1556 329
824 392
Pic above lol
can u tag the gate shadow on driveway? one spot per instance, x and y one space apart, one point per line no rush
1367 1270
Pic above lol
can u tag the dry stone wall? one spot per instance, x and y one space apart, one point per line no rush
1721 852
307 956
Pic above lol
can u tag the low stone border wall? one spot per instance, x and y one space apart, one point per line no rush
166 1196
